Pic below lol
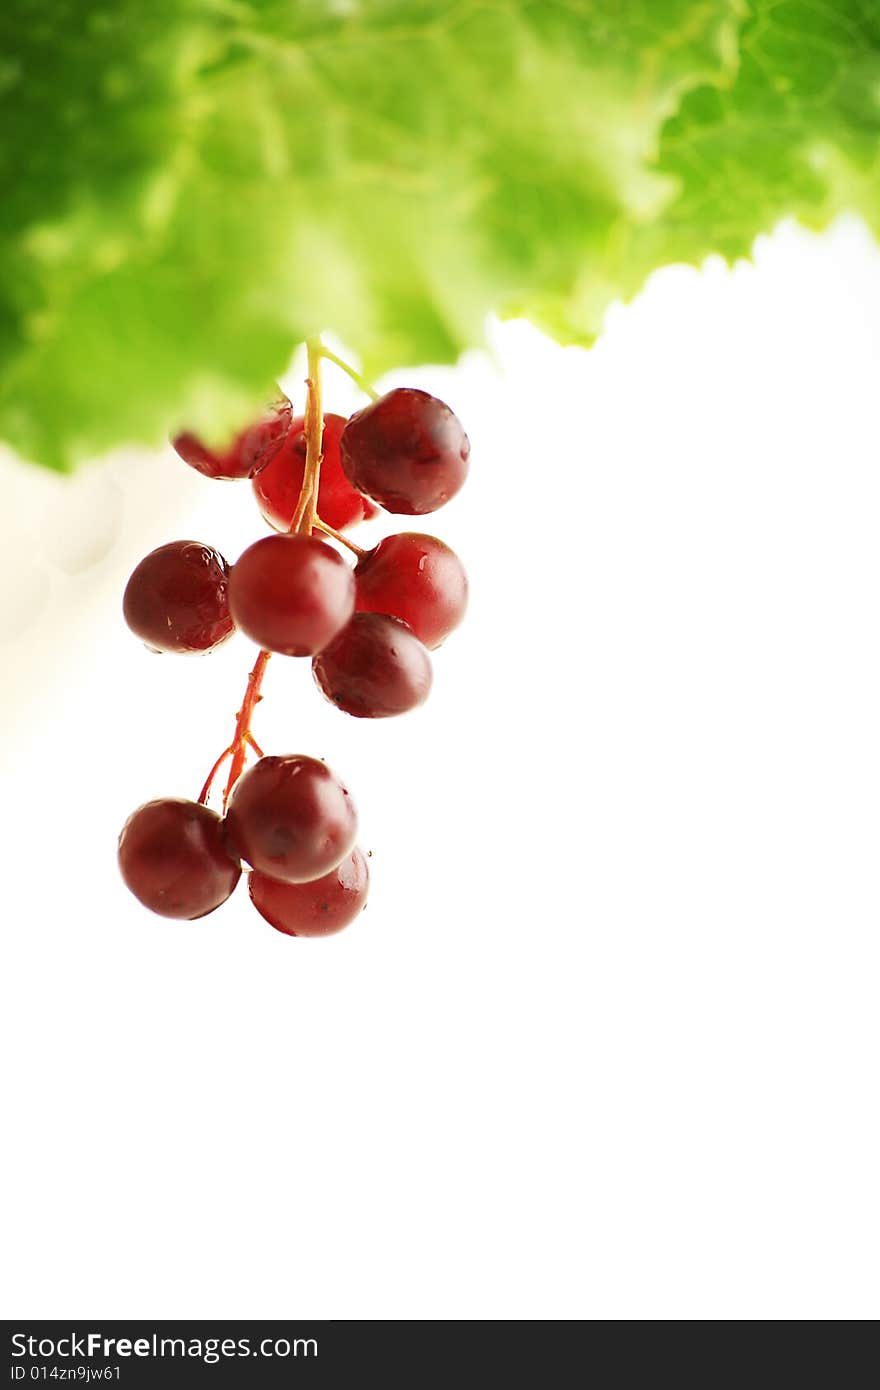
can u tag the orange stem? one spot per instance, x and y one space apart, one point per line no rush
338 536
304 519
243 723
209 780
307 506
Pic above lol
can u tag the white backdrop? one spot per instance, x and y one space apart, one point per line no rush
605 1042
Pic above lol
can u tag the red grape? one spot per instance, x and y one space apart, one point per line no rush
318 908
415 578
250 451
375 667
291 818
407 451
277 489
176 599
291 594
173 857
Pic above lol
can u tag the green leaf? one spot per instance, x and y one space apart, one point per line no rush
191 187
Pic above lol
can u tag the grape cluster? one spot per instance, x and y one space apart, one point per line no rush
367 629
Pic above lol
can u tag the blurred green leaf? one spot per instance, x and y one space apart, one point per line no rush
191 187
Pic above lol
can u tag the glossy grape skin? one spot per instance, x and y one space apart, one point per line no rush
291 594
250 451
416 578
177 598
173 857
407 451
374 668
277 489
291 818
319 908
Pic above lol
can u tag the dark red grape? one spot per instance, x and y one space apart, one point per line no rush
173 857
277 489
318 908
291 818
415 578
291 594
407 451
250 451
375 667
177 598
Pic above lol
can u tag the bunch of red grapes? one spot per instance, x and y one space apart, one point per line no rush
367 628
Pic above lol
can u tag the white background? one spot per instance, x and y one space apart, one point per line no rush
605 1042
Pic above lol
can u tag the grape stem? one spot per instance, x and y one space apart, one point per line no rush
357 550
356 377
307 506
305 517
206 789
251 699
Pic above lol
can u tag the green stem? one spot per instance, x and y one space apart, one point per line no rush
350 371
